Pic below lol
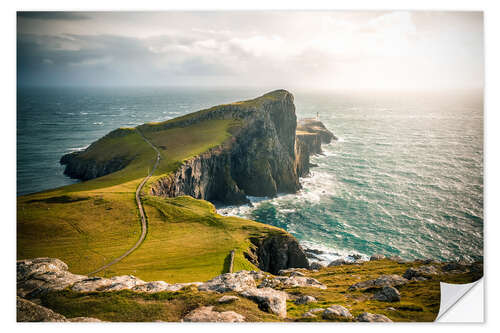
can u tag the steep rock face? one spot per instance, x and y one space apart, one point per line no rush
274 253
310 135
317 127
259 160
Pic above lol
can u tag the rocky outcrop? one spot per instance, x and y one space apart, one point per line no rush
337 312
30 312
314 126
277 252
36 277
310 134
207 314
291 282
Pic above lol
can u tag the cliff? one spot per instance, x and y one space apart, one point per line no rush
310 135
265 154
259 160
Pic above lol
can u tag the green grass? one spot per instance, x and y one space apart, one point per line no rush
90 223
127 306
187 241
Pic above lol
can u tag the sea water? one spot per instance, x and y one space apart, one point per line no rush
405 176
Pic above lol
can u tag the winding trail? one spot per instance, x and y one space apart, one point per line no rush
144 224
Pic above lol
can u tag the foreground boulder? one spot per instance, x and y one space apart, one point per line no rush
207 314
27 311
370 317
420 273
38 276
388 294
381 281
268 299
337 312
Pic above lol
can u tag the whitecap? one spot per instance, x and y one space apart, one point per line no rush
77 148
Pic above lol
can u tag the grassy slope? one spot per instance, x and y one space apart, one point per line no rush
419 300
88 233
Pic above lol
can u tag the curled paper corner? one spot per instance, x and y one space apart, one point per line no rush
461 302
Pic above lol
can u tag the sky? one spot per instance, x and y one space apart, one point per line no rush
328 50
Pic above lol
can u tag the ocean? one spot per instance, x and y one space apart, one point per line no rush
405 177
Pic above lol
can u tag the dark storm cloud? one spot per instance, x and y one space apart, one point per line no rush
109 59
63 16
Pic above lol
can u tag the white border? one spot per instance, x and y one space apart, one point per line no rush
8 133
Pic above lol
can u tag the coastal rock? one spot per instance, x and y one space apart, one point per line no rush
454 266
377 257
115 283
305 299
337 262
316 266
268 299
277 252
370 317
381 281
337 312
388 294
317 127
207 314
36 277
27 311
420 272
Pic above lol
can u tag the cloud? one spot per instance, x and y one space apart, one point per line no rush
325 49
60 16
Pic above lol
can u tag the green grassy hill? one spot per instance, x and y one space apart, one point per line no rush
90 223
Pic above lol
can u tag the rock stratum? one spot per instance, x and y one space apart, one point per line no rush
266 154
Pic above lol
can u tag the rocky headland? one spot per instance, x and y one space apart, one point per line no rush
266 154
